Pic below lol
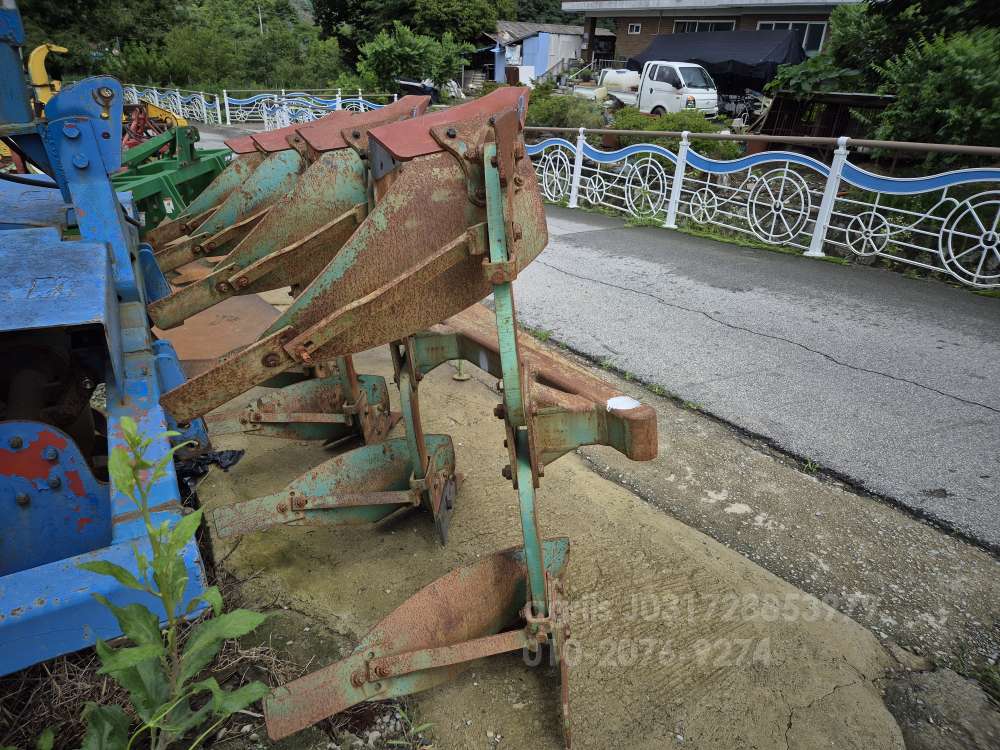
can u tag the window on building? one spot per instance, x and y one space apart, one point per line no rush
635 28
811 32
712 24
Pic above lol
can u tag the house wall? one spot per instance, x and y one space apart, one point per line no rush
627 45
535 51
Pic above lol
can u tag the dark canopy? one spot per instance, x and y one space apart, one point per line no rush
737 60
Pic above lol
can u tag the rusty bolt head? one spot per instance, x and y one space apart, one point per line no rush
517 232
15 442
493 161
451 132
298 503
282 508
357 678
242 282
22 499
223 287
519 151
506 472
271 360
50 454
518 180
198 249
500 411
382 670
356 134
210 245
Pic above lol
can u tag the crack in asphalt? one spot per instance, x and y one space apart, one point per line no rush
772 336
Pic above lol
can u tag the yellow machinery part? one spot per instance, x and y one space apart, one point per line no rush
44 86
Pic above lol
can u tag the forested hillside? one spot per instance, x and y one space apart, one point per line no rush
234 44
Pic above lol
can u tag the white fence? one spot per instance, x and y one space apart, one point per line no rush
275 109
947 222
193 105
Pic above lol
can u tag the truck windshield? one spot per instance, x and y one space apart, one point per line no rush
697 78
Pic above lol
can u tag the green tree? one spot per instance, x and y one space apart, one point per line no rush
466 20
946 89
407 55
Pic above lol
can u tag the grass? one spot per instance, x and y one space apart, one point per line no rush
810 467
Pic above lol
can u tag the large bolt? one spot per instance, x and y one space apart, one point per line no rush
242 282
55 483
15 442
70 130
500 411
50 454
106 92
451 132
271 360
506 473
356 134
80 161
22 499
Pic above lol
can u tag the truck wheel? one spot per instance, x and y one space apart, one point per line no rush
657 111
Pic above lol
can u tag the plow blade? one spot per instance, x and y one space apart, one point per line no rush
398 273
428 640
274 177
361 486
235 174
302 230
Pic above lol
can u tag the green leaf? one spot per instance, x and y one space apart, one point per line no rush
147 686
107 727
130 430
136 621
120 574
120 470
184 531
210 596
206 639
118 659
225 702
46 739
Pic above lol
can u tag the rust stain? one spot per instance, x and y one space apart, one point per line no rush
81 524
75 483
29 462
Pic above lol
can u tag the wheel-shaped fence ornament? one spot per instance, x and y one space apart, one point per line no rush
703 205
594 189
778 206
646 188
557 174
867 234
354 106
970 240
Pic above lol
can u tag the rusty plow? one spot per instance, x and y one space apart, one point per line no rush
512 600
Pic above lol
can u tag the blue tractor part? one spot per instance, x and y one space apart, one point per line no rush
75 285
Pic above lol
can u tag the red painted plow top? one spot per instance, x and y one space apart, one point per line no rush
327 135
412 138
242 145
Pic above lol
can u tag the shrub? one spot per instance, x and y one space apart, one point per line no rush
546 108
630 118
818 73
404 54
946 90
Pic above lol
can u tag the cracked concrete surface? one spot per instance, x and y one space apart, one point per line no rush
680 642
883 379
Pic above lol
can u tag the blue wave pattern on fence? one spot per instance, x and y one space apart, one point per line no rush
784 198
274 109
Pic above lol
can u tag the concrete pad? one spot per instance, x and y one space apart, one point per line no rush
679 640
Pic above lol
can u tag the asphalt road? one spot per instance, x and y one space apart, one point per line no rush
887 380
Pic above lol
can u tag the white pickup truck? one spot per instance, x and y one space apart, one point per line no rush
666 86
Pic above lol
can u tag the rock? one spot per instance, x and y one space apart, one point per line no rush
942 710
246 728
908 659
254 737
373 737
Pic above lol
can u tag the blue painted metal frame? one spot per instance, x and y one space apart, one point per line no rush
46 602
